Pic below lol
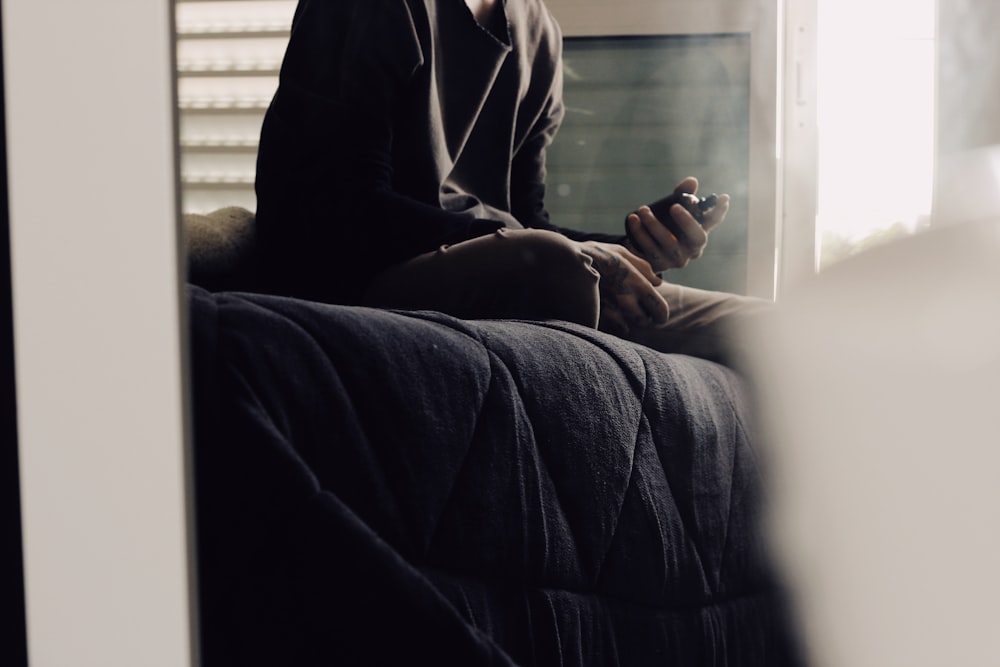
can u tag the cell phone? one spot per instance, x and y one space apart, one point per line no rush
696 205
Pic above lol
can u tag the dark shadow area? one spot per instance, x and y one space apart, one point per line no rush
14 648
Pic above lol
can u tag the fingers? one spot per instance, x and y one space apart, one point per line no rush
620 313
689 185
693 237
662 247
652 240
673 243
636 300
642 266
611 320
654 306
627 282
714 216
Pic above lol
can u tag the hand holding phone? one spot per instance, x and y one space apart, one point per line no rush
653 233
695 205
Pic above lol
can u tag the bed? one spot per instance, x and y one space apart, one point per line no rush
386 488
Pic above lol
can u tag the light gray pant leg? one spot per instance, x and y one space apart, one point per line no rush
705 324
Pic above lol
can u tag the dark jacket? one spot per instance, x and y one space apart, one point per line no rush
399 126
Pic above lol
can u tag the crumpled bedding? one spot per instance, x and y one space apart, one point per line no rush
378 487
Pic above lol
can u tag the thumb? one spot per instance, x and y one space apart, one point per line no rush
688 186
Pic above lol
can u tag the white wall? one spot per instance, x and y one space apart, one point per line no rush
879 384
89 92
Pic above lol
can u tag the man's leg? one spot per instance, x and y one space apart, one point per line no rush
517 274
705 324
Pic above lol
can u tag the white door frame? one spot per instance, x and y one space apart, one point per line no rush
98 328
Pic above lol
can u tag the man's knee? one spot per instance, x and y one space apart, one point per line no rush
558 278
548 254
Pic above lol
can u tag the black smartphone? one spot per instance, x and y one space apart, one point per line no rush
696 205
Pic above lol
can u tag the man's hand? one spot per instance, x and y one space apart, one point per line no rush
628 289
663 249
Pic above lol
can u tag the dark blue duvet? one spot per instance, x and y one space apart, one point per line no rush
392 488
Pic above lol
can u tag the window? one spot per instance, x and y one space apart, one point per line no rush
642 113
228 56
875 96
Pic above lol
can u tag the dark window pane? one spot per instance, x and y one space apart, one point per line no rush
643 113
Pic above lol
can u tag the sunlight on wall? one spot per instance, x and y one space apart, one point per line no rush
876 121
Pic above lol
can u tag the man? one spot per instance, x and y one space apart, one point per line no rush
402 164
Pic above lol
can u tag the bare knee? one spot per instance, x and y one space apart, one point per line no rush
548 254
558 279
521 274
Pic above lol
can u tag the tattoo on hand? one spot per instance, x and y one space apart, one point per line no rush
613 271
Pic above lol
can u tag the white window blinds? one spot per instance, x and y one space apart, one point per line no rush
228 56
